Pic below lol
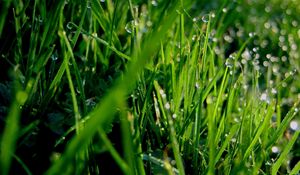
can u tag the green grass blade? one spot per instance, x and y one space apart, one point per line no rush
284 153
260 130
102 115
296 169
11 130
4 10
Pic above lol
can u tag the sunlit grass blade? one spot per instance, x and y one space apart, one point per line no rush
261 129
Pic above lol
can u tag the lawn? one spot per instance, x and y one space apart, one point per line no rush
149 87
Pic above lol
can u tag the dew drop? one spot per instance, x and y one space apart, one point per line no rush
195 19
233 140
294 125
54 57
69 26
130 26
167 106
264 97
273 91
205 18
174 116
224 10
252 34
88 5
275 149
229 63
293 72
197 85
154 3
268 163
194 37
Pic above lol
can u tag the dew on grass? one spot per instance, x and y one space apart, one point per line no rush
174 116
284 84
265 98
229 62
294 125
233 140
54 57
268 9
275 69
237 120
197 86
228 38
293 72
245 86
267 25
255 62
266 63
275 149
268 163
69 26
167 106
213 15
154 3
273 91
195 38
224 10
88 4
246 54
255 49
195 19
131 25
274 59
205 18
252 34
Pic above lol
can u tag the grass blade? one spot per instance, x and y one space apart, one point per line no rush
285 152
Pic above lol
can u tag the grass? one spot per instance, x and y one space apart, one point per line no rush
149 87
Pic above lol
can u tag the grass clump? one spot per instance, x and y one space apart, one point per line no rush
149 87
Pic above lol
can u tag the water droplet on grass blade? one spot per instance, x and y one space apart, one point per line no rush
69 26
174 116
294 125
264 97
88 5
275 149
54 57
154 3
252 34
205 18
274 91
131 25
167 106
229 63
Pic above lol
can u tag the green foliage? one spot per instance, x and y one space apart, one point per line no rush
149 87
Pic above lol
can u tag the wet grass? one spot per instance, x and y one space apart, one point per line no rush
150 87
